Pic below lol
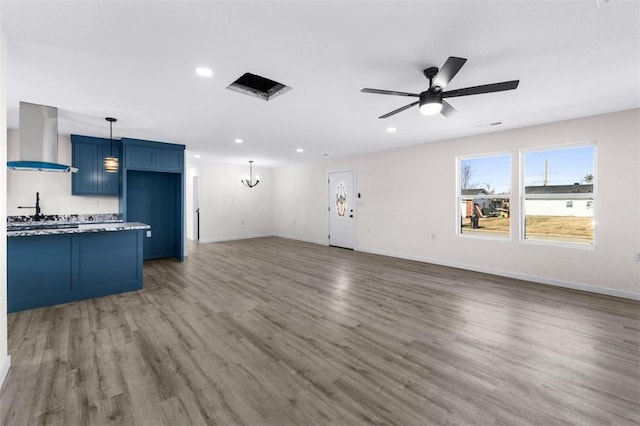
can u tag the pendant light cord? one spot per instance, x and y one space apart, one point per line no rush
111 138
111 120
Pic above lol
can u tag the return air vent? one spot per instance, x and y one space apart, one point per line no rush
258 86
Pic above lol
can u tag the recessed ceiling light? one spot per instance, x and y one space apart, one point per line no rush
204 72
299 150
238 140
391 129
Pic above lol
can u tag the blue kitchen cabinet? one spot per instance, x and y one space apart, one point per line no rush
154 198
51 269
153 193
87 155
39 270
153 156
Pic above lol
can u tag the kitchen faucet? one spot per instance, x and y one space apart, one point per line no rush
38 215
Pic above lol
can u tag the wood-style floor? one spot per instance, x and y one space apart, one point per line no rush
277 332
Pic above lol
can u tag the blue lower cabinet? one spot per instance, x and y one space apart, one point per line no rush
39 271
52 269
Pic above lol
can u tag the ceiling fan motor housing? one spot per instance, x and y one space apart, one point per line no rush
431 96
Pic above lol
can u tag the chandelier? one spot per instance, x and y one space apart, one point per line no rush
248 180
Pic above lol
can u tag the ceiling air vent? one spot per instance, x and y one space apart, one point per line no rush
260 87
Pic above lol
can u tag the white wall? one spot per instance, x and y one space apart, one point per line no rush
5 360
228 209
54 188
397 214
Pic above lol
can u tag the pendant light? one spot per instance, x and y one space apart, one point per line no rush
248 180
111 162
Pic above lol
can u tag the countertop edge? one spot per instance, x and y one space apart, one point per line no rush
81 229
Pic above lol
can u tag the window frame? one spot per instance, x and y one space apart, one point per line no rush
589 196
458 197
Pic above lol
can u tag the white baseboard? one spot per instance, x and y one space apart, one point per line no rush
511 274
4 370
242 237
305 240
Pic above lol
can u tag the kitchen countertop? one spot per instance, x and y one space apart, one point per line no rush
80 228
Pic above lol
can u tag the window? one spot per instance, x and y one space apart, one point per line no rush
559 196
484 195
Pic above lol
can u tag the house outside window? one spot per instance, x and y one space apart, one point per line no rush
484 195
558 195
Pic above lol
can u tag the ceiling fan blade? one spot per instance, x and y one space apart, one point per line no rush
485 88
395 111
447 109
389 92
448 71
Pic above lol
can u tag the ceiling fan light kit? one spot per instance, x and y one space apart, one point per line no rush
431 101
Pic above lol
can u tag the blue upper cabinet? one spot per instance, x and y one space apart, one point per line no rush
153 156
87 156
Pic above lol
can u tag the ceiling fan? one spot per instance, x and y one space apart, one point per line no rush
431 101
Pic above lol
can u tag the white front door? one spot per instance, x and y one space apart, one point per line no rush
342 210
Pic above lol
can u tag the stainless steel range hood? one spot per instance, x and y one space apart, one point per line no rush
39 140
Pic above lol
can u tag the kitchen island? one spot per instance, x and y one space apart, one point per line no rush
48 265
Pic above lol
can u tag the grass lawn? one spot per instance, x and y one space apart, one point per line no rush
556 228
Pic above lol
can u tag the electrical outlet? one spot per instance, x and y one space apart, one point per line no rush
148 234
93 203
638 256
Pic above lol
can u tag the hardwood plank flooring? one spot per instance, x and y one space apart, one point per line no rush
278 332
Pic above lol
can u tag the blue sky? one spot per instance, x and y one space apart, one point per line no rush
565 167
492 172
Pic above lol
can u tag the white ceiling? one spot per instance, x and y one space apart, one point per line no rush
135 61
